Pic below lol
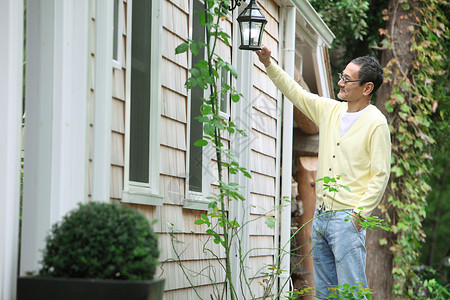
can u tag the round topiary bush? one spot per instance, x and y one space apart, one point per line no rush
103 241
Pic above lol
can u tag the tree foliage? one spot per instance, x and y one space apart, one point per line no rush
416 73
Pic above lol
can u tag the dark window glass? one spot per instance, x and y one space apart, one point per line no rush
196 130
140 91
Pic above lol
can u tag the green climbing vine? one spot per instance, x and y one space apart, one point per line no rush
414 97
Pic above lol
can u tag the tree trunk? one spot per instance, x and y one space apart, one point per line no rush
379 257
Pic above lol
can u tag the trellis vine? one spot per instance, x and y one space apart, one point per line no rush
412 101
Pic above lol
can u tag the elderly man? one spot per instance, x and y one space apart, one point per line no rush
355 143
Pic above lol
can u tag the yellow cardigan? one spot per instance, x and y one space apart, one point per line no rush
363 154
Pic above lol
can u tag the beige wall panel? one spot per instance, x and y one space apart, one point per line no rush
259 264
118 83
269 6
118 116
214 173
178 219
170 42
175 278
264 103
92 34
189 247
272 23
263 185
258 226
227 27
223 51
89 178
204 292
116 182
261 204
173 161
182 4
263 143
92 8
172 188
175 19
263 83
173 133
91 139
264 123
174 77
92 72
263 164
117 146
173 105
91 107
262 246
148 211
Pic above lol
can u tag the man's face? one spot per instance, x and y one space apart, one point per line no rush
350 91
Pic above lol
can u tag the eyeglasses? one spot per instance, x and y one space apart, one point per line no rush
345 80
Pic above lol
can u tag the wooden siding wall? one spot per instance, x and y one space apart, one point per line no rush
264 135
171 215
118 108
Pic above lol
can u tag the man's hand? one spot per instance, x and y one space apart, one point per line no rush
264 55
356 219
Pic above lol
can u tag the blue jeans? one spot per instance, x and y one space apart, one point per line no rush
339 251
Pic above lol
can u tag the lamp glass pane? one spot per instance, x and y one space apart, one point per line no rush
254 33
245 27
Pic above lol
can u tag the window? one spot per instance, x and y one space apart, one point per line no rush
196 185
200 165
142 104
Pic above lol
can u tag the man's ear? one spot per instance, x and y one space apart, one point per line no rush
368 88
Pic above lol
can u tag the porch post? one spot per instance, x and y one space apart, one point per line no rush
286 156
55 163
11 62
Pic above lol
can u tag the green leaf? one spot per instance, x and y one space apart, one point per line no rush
201 143
345 187
181 48
194 72
235 97
389 108
270 222
205 110
208 129
199 222
194 49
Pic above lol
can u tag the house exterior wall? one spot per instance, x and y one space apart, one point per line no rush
59 96
176 16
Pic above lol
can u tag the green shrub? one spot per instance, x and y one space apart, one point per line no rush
103 241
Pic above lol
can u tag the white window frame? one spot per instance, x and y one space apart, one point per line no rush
137 192
224 113
193 199
118 63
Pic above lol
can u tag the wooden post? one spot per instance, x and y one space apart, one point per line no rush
306 174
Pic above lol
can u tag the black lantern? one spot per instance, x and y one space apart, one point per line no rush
251 24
